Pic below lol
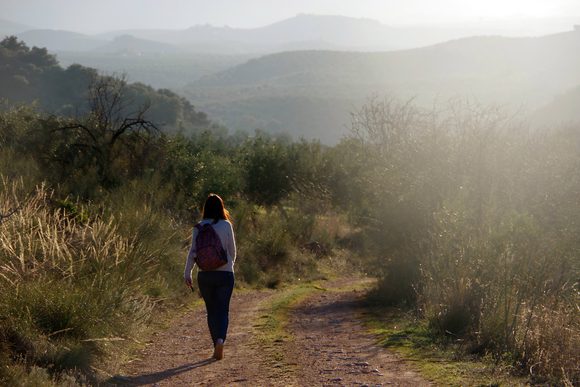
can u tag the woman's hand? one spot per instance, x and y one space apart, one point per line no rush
188 282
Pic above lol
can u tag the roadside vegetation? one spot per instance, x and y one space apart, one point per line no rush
468 219
473 218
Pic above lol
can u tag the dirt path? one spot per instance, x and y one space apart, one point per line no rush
331 347
328 346
181 356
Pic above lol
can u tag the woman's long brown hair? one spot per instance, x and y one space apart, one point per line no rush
214 209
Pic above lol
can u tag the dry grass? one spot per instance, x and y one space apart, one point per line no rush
551 345
73 287
474 219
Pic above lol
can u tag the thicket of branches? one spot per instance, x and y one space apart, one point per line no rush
474 220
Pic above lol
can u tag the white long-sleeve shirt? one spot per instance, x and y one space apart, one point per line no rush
225 232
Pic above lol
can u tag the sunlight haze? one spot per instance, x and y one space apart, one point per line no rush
93 17
396 183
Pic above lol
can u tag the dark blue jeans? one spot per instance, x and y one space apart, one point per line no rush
216 288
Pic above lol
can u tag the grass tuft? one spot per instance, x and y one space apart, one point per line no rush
436 359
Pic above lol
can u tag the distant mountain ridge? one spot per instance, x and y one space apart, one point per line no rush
297 33
483 57
302 32
512 71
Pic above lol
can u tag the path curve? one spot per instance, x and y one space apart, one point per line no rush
328 346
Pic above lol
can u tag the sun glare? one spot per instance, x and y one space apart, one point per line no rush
498 9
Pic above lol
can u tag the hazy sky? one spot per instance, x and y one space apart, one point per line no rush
102 15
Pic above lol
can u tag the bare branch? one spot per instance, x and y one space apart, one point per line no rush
131 124
77 126
14 210
11 212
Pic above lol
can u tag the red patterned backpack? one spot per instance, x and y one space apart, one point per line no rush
210 252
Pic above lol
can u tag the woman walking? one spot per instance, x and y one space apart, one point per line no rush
213 251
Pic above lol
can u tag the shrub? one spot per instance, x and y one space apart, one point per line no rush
269 241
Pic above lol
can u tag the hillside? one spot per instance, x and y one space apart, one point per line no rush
127 44
269 90
58 40
33 75
479 57
171 70
564 108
